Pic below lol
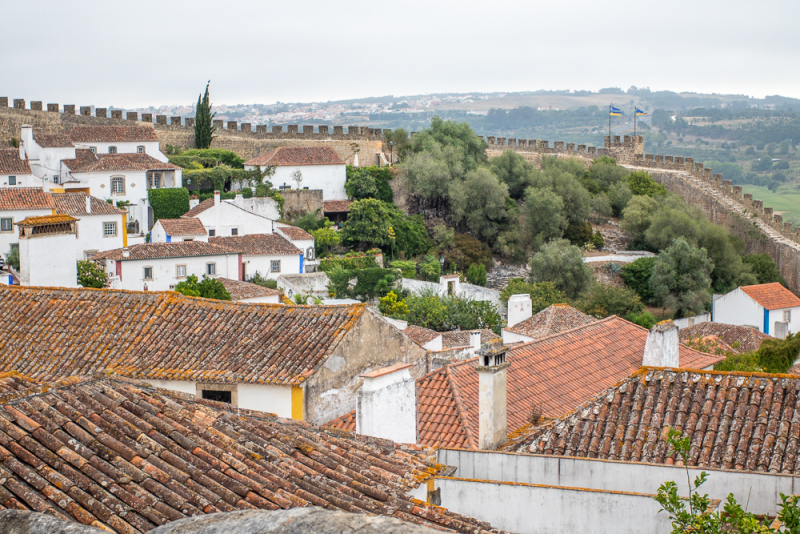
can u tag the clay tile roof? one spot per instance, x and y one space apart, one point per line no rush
200 208
188 226
111 134
298 155
460 338
551 320
245 290
46 219
420 335
127 457
346 422
772 296
116 162
749 339
163 335
75 204
258 244
294 233
336 206
152 251
737 421
12 383
51 140
10 162
25 198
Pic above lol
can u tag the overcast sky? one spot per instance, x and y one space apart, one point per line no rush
152 52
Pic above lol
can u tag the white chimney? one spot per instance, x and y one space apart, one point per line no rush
126 253
519 309
386 404
492 397
88 204
475 340
216 198
661 347
217 224
26 140
114 198
238 199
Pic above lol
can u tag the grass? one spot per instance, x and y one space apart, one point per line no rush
785 200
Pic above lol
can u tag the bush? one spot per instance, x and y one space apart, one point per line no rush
348 262
543 294
209 288
12 258
637 277
430 269
764 268
468 250
390 306
606 300
407 268
168 203
561 263
430 310
259 280
476 274
369 182
370 283
642 183
644 319
578 233
91 275
681 278
375 223
220 155
310 221
597 240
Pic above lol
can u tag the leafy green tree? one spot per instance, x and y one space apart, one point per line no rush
369 182
467 250
476 274
325 237
514 171
578 233
168 203
219 156
204 128
544 216
391 306
480 203
407 268
601 206
12 258
543 294
779 355
561 263
764 268
641 183
428 174
725 252
636 275
368 223
91 275
209 288
605 172
443 313
619 195
604 300
401 144
561 178
636 217
430 269
411 237
370 282
763 164
643 319
681 278
459 135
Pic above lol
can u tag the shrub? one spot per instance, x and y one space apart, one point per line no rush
561 263
12 258
259 280
370 283
642 183
681 278
168 203
439 313
390 306
644 319
467 250
361 261
637 277
369 182
476 274
605 300
91 275
578 233
430 268
407 268
543 294
597 240
209 288
219 155
765 268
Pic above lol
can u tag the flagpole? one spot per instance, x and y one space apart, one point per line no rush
609 125
634 120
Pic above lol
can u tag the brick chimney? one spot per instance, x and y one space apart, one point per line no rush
519 309
386 404
661 347
492 396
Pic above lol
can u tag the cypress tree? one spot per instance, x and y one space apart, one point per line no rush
203 129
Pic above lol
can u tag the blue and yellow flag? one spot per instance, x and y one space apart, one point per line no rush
614 112
640 112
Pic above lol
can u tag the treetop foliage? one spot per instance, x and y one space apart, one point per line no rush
204 128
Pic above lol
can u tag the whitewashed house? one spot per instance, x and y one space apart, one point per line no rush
316 167
17 204
136 139
769 308
161 266
224 218
15 171
302 240
100 226
45 152
47 247
271 255
175 230
250 293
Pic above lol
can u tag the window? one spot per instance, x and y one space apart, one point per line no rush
89 253
148 273
12 180
6 224
186 239
218 392
212 233
275 266
112 150
180 271
93 149
219 396
155 180
117 184
787 316
109 229
234 231
140 149
56 179
211 269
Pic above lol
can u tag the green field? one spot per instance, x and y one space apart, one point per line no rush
785 200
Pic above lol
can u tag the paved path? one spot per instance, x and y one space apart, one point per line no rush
618 258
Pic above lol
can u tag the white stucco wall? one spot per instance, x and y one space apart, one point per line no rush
164 271
269 299
23 180
329 178
263 264
150 148
7 238
511 337
48 261
265 207
226 216
91 236
183 386
386 407
261 397
738 308
539 509
464 290
159 235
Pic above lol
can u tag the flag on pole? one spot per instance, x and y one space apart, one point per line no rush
614 112
640 112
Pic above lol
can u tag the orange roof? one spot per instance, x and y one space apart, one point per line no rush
772 296
10 162
748 338
298 155
239 290
420 335
336 206
293 232
25 198
182 226
551 320
111 134
46 219
75 204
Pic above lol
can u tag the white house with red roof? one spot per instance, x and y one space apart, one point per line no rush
117 140
176 230
16 204
317 167
270 255
769 308
224 218
100 226
15 171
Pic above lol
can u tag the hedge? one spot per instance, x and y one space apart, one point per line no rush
370 283
348 262
168 203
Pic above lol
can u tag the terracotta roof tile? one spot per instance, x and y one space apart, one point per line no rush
749 339
336 206
294 233
244 290
420 335
10 162
740 421
25 198
200 208
346 422
551 320
51 140
772 296
300 155
164 335
258 244
129 458
87 161
181 249
187 226
460 338
46 219
75 204
13 383
111 134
